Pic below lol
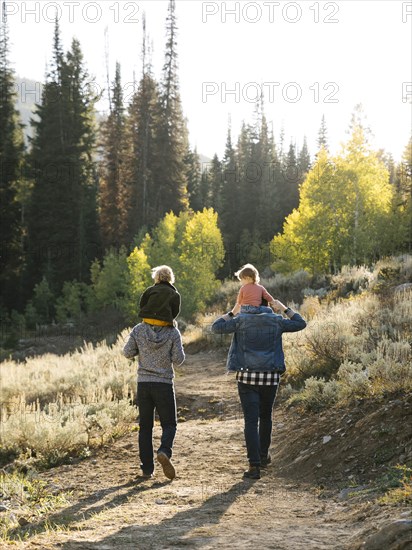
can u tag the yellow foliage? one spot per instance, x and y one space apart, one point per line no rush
344 212
139 272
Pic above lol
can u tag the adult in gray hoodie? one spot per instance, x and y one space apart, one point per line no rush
158 348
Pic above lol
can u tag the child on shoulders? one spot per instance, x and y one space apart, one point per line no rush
251 293
160 303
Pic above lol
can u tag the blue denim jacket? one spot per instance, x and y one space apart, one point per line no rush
257 339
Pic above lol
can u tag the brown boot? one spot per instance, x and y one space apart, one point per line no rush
168 468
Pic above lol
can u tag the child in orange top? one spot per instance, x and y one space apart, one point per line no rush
251 292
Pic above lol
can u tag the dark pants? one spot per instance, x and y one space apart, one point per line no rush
159 396
257 404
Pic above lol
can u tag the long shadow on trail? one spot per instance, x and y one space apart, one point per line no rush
170 533
85 508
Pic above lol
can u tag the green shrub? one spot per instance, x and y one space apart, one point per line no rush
361 345
43 302
352 279
317 394
354 380
110 282
73 302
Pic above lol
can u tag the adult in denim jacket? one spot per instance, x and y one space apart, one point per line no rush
256 355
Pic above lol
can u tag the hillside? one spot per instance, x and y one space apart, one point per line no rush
313 495
341 467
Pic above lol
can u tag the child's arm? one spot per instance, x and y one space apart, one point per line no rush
236 309
268 297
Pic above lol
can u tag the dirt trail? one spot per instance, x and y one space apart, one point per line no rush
208 505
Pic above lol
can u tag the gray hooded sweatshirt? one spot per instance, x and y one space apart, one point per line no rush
158 349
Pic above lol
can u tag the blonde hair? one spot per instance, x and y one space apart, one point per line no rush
163 273
248 270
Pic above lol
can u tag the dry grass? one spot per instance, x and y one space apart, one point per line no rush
53 407
358 340
357 348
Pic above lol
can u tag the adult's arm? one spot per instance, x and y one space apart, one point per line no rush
130 349
178 354
294 322
224 325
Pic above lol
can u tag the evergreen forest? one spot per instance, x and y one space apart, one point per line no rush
89 205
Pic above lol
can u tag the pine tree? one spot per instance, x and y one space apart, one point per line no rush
404 196
230 202
11 159
172 136
194 180
82 142
142 158
389 162
303 160
112 167
205 188
248 180
275 189
251 158
62 227
322 135
281 143
216 184
267 198
289 183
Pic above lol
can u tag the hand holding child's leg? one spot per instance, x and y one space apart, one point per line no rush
278 306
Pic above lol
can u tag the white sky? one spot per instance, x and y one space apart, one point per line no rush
362 57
